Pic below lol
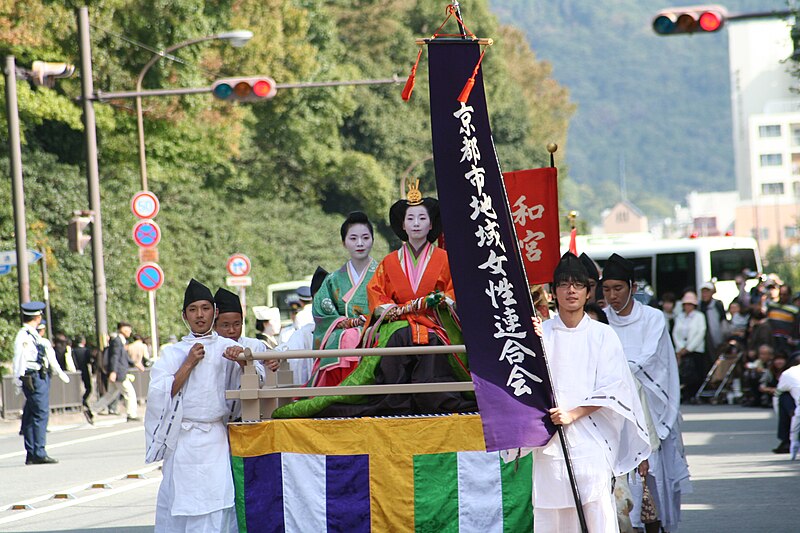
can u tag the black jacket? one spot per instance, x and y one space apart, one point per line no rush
118 360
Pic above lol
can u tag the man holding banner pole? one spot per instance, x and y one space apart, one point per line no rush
597 408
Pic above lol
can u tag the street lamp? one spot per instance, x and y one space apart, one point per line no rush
236 38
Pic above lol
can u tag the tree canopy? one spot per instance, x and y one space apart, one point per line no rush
272 180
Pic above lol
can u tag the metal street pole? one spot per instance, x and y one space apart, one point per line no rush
17 190
46 292
93 178
238 38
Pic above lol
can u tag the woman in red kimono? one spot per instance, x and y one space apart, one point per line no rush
411 298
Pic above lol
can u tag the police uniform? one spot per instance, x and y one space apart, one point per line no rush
32 369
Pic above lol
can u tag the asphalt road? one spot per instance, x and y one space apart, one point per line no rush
103 484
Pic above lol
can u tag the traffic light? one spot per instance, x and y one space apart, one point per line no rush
77 240
44 73
244 89
690 19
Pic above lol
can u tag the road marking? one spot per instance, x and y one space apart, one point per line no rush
104 484
78 441
77 501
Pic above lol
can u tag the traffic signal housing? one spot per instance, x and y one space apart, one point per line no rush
690 19
77 240
45 73
252 89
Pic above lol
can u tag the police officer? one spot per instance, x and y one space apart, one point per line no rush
32 368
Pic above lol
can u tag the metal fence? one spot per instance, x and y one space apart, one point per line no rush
62 395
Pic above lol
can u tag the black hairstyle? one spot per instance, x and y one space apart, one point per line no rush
570 268
596 310
397 215
355 217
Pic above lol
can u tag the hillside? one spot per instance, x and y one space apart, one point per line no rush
661 104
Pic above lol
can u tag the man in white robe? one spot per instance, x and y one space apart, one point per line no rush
651 357
597 405
185 423
229 324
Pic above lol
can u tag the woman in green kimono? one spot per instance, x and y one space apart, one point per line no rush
340 306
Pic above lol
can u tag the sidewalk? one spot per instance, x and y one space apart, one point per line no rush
57 422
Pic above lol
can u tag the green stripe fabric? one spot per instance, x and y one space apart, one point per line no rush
237 465
517 492
436 493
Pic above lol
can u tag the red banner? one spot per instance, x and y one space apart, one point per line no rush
533 197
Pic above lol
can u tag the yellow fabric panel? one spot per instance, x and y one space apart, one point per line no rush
351 436
391 486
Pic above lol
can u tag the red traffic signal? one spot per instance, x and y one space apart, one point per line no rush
691 19
244 89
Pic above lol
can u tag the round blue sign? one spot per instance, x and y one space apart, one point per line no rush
149 277
146 233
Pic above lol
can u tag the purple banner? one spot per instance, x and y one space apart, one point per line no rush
505 355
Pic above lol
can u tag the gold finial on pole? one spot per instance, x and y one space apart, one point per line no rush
571 217
552 147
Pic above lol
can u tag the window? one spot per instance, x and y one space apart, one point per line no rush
622 217
771 160
791 232
771 130
796 189
771 188
796 134
726 264
675 272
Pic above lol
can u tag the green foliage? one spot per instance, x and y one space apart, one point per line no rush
272 180
777 261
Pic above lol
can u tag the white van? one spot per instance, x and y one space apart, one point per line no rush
278 292
673 265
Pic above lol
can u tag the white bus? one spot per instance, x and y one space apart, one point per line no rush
278 292
673 265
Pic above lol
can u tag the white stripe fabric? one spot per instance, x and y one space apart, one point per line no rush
304 498
480 493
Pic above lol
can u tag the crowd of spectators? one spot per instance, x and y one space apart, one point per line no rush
743 351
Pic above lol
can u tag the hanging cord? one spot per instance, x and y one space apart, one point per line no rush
409 87
465 92
451 12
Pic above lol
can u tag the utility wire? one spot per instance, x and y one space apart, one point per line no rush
152 50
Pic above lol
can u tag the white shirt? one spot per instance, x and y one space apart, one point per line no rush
690 332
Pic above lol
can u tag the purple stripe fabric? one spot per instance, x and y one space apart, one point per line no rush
347 493
264 494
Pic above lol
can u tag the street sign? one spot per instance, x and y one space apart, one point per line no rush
9 257
5 269
238 265
149 276
238 281
148 255
146 233
144 205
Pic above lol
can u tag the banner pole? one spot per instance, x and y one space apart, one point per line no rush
562 437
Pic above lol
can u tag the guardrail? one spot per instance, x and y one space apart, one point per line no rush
278 387
63 395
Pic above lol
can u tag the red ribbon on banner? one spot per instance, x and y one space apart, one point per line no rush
533 198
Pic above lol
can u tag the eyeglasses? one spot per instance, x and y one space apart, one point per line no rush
566 285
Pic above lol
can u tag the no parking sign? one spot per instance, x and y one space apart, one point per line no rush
149 276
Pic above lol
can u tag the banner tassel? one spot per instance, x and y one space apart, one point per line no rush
465 92
409 87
